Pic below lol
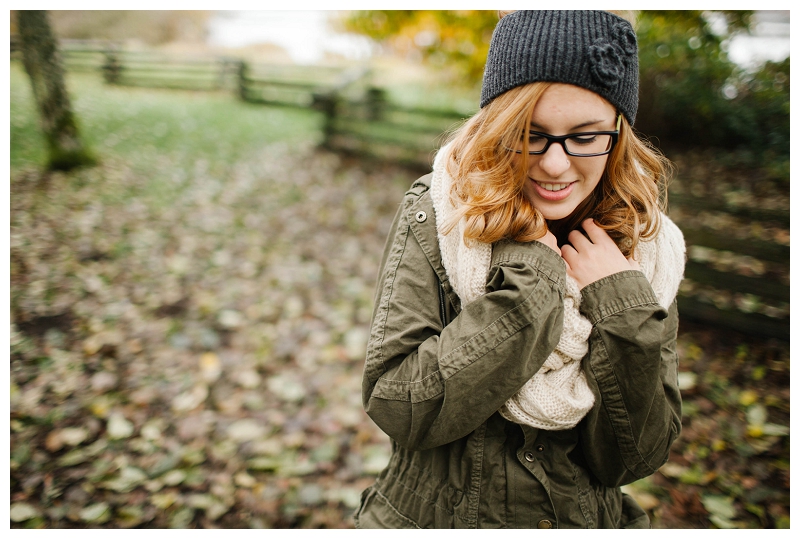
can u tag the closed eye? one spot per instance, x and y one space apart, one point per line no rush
584 139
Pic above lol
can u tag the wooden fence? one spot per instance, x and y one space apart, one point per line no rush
86 55
295 85
284 85
159 71
734 279
737 272
373 126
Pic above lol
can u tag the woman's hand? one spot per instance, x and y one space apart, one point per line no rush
550 240
589 261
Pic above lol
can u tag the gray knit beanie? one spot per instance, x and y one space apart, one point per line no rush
595 50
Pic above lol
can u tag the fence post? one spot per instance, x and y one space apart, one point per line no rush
376 103
328 103
223 73
243 80
111 67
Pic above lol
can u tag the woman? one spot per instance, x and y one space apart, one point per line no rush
522 356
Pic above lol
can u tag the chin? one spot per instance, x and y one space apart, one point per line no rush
555 214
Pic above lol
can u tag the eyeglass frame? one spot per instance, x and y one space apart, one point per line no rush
562 139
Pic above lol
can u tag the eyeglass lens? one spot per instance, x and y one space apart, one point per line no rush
578 145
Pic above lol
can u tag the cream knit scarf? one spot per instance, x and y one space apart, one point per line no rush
557 396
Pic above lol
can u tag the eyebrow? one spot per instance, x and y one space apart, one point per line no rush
579 126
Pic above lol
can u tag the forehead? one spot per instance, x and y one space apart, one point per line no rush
567 103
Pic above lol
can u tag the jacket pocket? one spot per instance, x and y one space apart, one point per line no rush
377 513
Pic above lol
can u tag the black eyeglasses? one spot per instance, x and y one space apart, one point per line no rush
588 144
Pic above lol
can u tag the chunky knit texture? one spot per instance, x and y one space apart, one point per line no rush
557 396
595 50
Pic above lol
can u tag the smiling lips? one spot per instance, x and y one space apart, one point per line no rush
553 191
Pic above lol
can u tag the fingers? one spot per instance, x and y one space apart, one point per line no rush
578 240
596 234
569 254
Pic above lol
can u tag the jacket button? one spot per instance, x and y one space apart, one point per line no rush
529 456
540 448
421 216
544 524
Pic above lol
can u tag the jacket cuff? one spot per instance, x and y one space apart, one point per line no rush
616 293
544 260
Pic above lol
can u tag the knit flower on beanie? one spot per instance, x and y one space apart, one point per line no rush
608 59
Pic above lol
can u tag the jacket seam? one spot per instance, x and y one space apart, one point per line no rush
384 304
474 501
409 382
582 495
621 309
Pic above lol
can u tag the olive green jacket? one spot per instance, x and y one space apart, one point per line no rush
435 376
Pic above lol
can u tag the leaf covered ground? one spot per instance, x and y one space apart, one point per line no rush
188 335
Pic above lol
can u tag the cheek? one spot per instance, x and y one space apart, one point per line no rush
594 170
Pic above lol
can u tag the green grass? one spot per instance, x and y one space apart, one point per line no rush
153 143
141 126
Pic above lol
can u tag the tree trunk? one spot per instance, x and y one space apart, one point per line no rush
43 64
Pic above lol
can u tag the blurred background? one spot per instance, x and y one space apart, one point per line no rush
199 202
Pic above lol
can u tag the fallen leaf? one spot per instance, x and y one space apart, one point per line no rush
74 435
244 479
96 514
671 469
22 511
210 367
164 500
53 442
246 429
772 429
174 477
191 399
118 427
687 380
286 388
129 478
748 397
230 319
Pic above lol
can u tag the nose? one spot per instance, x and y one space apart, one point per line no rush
555 161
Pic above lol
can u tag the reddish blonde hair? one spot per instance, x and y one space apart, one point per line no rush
488 185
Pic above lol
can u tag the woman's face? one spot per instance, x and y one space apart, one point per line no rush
557 183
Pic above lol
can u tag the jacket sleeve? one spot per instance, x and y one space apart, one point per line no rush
632 369
426 385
